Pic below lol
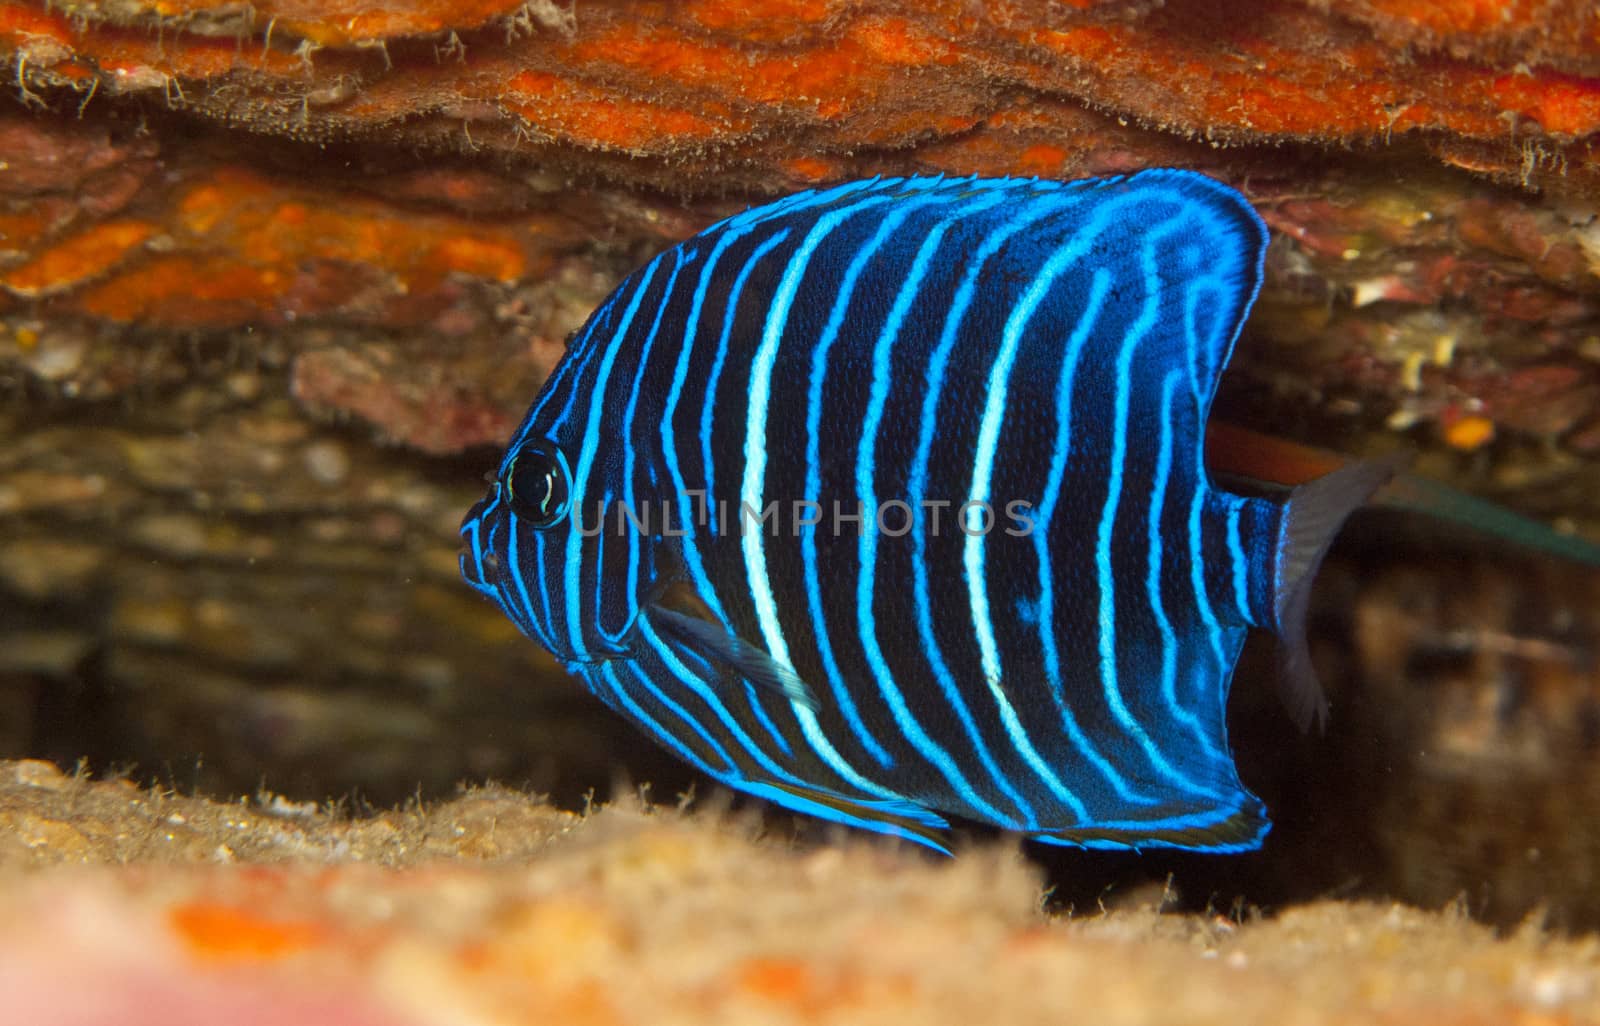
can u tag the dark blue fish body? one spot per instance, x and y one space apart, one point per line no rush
1034 621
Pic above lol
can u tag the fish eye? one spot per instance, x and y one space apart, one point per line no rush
537 484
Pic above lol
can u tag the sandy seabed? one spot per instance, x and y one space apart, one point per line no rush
122 905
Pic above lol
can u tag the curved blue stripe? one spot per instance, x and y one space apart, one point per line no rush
1197 578
608 671
754 698
813 485
713 378
1147 319
917 483
1169 640
751 495
1099 289
572 575
798 803
1197 292
707 694
548 570
514 573
1241 564
995 404
681 254
866 491
473 531
574 387
693 561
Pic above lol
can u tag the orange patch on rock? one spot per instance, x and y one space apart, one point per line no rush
19 22
698 80
247 248
1041 159
810 169
20 231
273 226
1563 32
1451 15
778 17
781 980
898 41
77 259
182 291
217 932
1561 104
831 81
596 117
1276 84
132 58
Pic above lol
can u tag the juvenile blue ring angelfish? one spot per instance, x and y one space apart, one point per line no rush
886 503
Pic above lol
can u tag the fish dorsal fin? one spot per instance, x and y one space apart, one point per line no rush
1181 254
1172 266
715 645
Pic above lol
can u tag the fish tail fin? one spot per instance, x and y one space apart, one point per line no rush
1312 516
1436 499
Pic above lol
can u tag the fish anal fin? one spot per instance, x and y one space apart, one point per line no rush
896 817
712 643
1312 516
1231 828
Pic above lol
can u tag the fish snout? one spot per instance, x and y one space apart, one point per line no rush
480 566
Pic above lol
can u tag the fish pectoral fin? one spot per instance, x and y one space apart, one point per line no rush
1233 826
711 642
897 817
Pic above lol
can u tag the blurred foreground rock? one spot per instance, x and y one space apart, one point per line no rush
496 908
277 279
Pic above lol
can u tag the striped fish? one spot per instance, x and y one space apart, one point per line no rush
886 503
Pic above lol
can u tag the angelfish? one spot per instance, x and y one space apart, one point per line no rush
887 503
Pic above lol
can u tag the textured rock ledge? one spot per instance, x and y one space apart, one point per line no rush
496 909
742 93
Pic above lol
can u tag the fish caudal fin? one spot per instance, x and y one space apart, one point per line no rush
1436 499
1312 516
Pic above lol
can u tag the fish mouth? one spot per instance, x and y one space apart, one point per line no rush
480 566
481 574
483 534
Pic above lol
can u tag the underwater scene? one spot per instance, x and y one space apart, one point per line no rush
769 511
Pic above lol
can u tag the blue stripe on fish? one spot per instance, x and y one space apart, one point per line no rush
1034 620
